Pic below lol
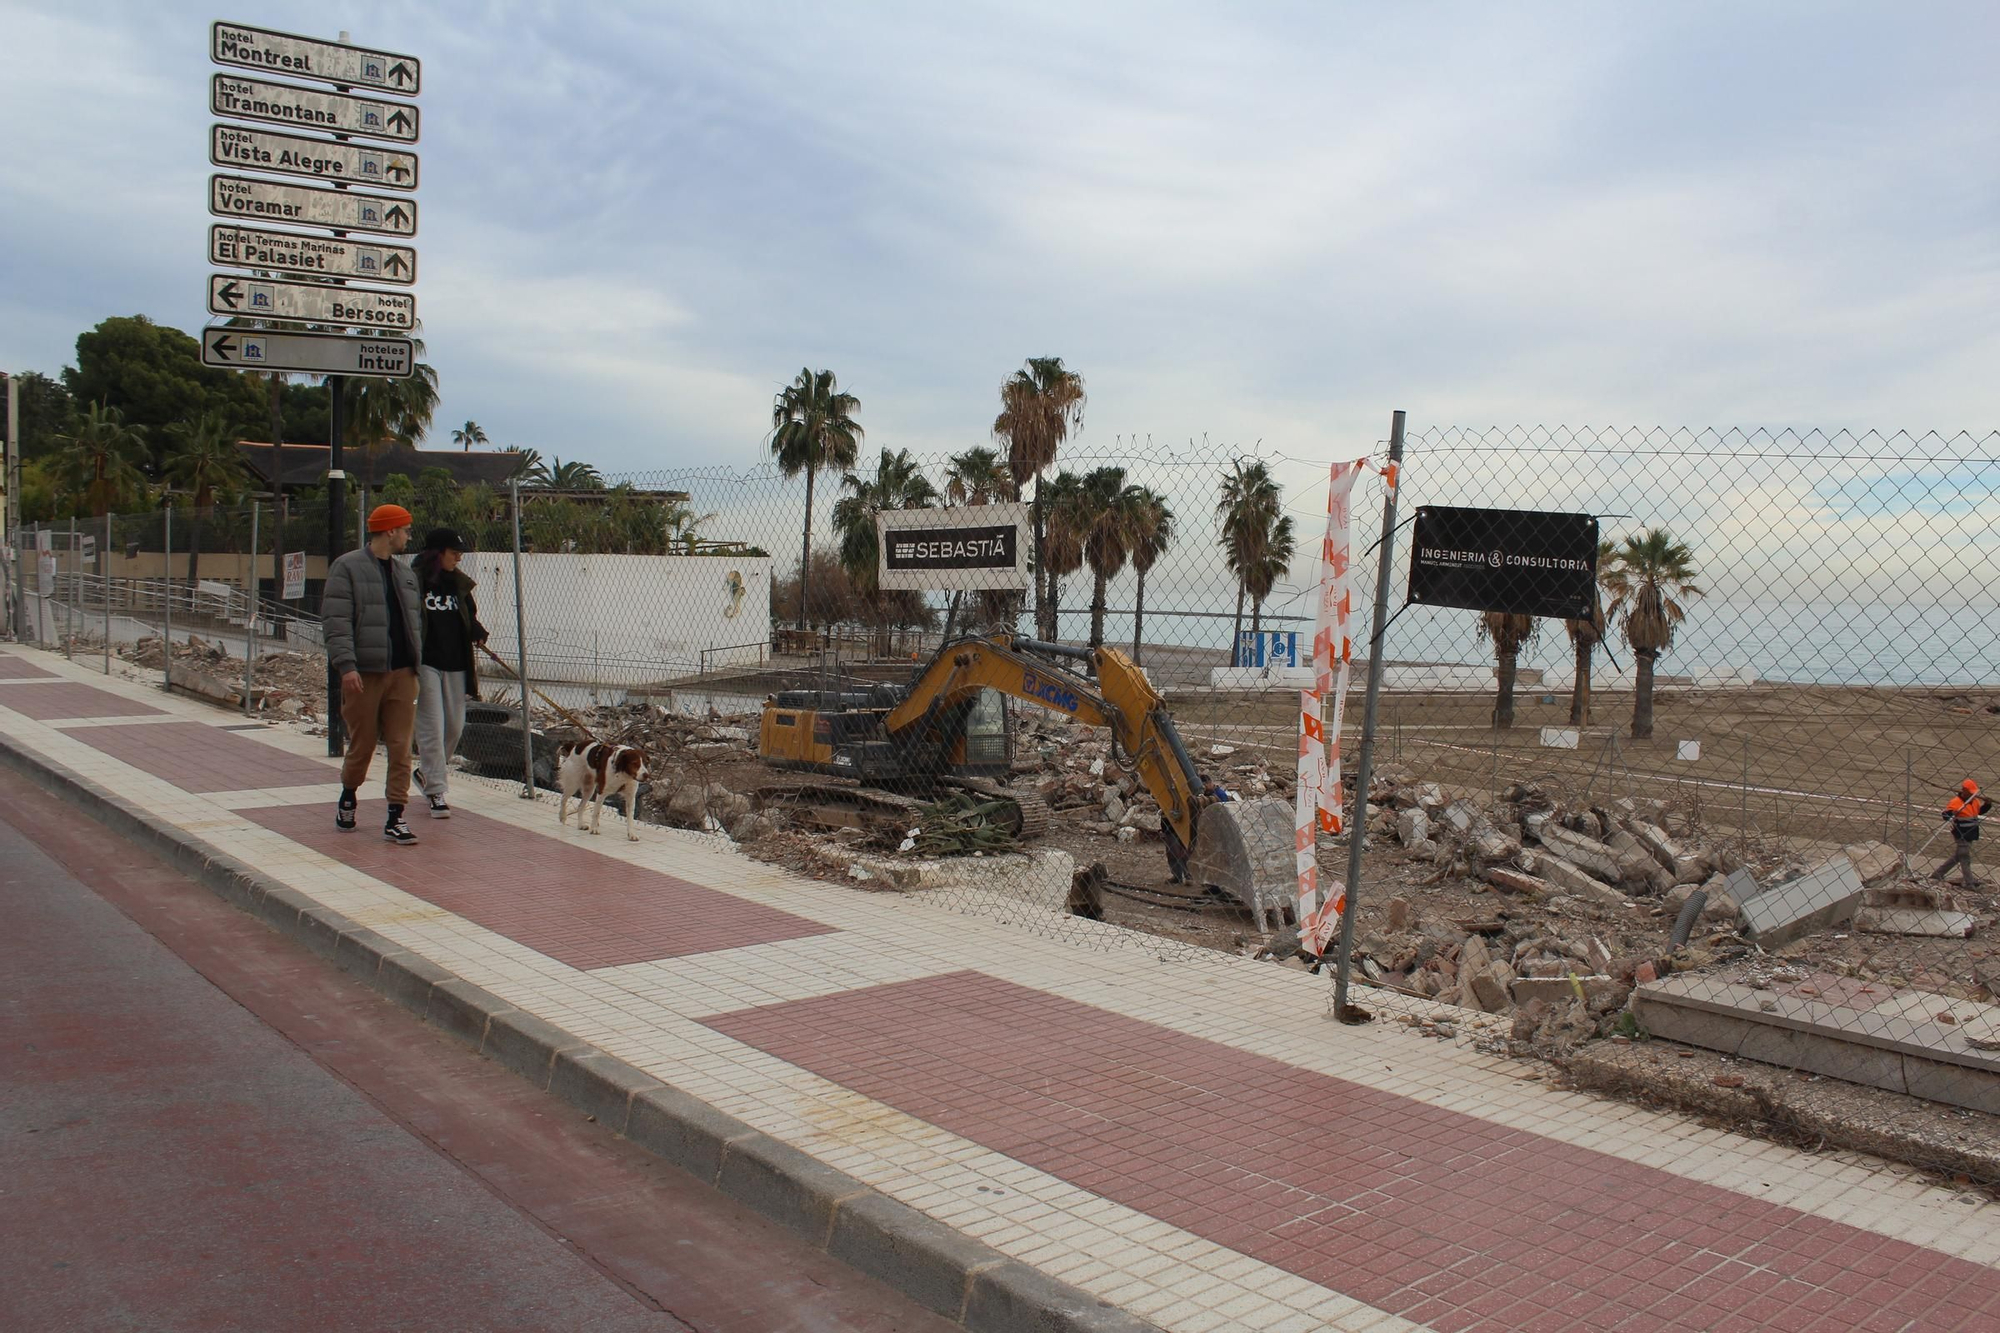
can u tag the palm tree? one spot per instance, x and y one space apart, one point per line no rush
1066 522
1509 633
813 427
1110 518
1152 533
392 412
468 435
205 459
574 475
1585 634
1275 551
1248 511
1652 574
1039 405
899 484
100 462
978 477
527 463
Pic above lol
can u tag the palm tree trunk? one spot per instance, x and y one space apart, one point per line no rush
1642 696
1236 631
951 615
1097 611
194 547
1579 695
1256 616
1503 704
1139 621
806 547
1045 596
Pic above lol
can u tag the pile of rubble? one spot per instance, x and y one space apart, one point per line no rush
1078 776
285 683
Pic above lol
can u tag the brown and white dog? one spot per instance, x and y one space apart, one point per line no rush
595 769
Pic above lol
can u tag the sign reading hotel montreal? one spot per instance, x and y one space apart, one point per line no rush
1514 561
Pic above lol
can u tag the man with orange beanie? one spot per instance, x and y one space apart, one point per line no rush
374 622
1963 810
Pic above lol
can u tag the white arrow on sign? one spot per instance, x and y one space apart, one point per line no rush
310 303
309 109
310 206
246 149
310 58
320 256
311 353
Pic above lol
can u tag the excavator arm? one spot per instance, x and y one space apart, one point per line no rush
1119 699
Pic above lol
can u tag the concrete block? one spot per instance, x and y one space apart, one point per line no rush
1567 878
462 1009
1587 853
359 953
525 1044
792 1188
1819 900
1657 843
1560 990
918 1256
599 1085
407 978
684 1130
1011 1297
1905 921
1873 860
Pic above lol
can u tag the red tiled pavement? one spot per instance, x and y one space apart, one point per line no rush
197 757
19 668
1446 1219
555 896
45 703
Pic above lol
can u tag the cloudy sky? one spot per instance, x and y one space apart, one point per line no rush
1252 222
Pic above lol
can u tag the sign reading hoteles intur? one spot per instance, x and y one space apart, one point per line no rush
297 57
308 353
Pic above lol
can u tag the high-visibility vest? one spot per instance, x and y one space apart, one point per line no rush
1964 813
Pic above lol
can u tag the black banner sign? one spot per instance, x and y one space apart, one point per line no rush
952 548
1517 561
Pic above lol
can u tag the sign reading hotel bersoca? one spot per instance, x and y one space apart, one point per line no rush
308 58
311 353
1515 561
310 206
310 303
308 108
972 547
249 149
322 256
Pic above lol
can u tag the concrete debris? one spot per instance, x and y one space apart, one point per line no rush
1873 861
1902 921
1582 851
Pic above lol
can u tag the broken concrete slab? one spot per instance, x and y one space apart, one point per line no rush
1514 881
1908 921
1818 900
1657 843
1567 878
1873 860
1587 853
1558 990
1412 827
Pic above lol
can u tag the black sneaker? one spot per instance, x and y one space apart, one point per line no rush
343 813
439 810
396 830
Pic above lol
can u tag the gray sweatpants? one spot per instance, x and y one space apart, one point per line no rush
440 722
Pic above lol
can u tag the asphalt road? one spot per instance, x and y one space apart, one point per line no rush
202 1127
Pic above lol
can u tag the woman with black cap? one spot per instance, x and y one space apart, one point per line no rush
449 675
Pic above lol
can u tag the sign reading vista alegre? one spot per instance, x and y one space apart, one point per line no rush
1515 561
970 548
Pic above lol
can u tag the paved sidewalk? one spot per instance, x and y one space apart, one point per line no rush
1191 1145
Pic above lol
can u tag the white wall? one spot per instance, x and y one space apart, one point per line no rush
625 619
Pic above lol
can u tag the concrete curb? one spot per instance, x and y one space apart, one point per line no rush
941 1269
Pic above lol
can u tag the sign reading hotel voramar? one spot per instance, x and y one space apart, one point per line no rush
1517 561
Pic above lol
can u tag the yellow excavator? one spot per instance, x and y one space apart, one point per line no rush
949 727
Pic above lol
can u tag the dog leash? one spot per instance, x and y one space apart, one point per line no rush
567 716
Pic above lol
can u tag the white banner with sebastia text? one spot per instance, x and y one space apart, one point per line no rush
968 548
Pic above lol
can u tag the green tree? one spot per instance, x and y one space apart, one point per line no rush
100 463
1262 575
1653 576
1040 404
389 413
44 412
203 459
1067 522
980 477
153 376
1111 519
574 475
527 464
468 435
1152 534
1509 634
898 484
1248 513
813 427
1584 636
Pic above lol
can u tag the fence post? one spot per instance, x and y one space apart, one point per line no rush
24 551
1909 811
521 654
1364 764
104 587
250 633
167 601
69 602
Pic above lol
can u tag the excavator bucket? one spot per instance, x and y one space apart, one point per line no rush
1246 849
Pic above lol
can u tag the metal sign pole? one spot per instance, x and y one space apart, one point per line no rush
521 655
250 632
69 602
104 587
1357 824
336 546
167 601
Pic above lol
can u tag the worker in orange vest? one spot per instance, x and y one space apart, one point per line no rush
1963 810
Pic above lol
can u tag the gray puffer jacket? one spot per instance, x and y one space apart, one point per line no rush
355 613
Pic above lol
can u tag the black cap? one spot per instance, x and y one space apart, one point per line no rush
443 539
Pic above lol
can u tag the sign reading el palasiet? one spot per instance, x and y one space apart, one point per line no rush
970 548
1515 561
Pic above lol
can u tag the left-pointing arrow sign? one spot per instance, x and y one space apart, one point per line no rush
308 353
310 303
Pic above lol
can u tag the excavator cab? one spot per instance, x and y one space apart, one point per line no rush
842 732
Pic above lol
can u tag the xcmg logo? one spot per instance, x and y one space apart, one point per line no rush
1048 691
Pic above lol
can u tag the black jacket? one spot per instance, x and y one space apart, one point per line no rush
460 584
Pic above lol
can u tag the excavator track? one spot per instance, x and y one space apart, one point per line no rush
1031 817
845 805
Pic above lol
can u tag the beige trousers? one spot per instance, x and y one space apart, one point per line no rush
385 710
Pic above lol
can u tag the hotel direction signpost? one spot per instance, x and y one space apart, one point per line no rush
303 278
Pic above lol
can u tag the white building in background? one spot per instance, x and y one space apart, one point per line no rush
627 619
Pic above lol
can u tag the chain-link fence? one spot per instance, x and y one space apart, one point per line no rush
1708 805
